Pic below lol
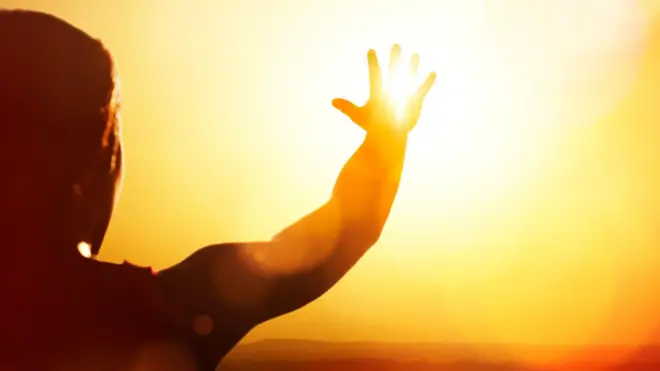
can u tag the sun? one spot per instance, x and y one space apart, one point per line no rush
399 88
462 151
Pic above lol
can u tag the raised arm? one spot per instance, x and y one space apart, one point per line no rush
249 283
306 259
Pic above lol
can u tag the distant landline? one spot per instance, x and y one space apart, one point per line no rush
312 350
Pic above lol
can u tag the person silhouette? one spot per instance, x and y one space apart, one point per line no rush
61 156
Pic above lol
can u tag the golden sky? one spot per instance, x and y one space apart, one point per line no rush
521 217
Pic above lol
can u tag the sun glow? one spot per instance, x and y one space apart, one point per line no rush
473 139
399 87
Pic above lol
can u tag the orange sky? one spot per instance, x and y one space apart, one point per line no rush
519 219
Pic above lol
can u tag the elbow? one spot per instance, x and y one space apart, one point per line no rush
293 292
370 238
367 236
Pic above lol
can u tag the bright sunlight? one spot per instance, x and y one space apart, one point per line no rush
400 86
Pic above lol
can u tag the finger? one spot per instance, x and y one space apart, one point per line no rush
346 107
425 87
414 65
395 54
374 73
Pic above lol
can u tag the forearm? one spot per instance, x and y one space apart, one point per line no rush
348 225
367 185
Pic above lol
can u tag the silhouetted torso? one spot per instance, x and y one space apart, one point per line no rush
98 316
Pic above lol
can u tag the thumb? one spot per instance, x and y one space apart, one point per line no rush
347 108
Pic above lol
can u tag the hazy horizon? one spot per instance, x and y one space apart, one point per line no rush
307 354
421 342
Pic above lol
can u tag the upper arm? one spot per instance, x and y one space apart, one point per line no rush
239 285
298 248
241 280
213 300
236 272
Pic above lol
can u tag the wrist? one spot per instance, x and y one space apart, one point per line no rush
386 145
384 156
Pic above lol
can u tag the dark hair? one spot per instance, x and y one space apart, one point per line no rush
58 99
59 130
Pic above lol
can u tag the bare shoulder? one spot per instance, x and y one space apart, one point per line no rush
210 299
123 288
218 278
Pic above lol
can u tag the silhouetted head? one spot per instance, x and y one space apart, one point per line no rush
60 148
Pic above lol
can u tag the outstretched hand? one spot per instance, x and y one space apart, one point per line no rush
381 108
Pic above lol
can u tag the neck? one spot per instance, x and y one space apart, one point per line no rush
37 223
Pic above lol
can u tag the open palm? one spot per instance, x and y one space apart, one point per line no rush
380 109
